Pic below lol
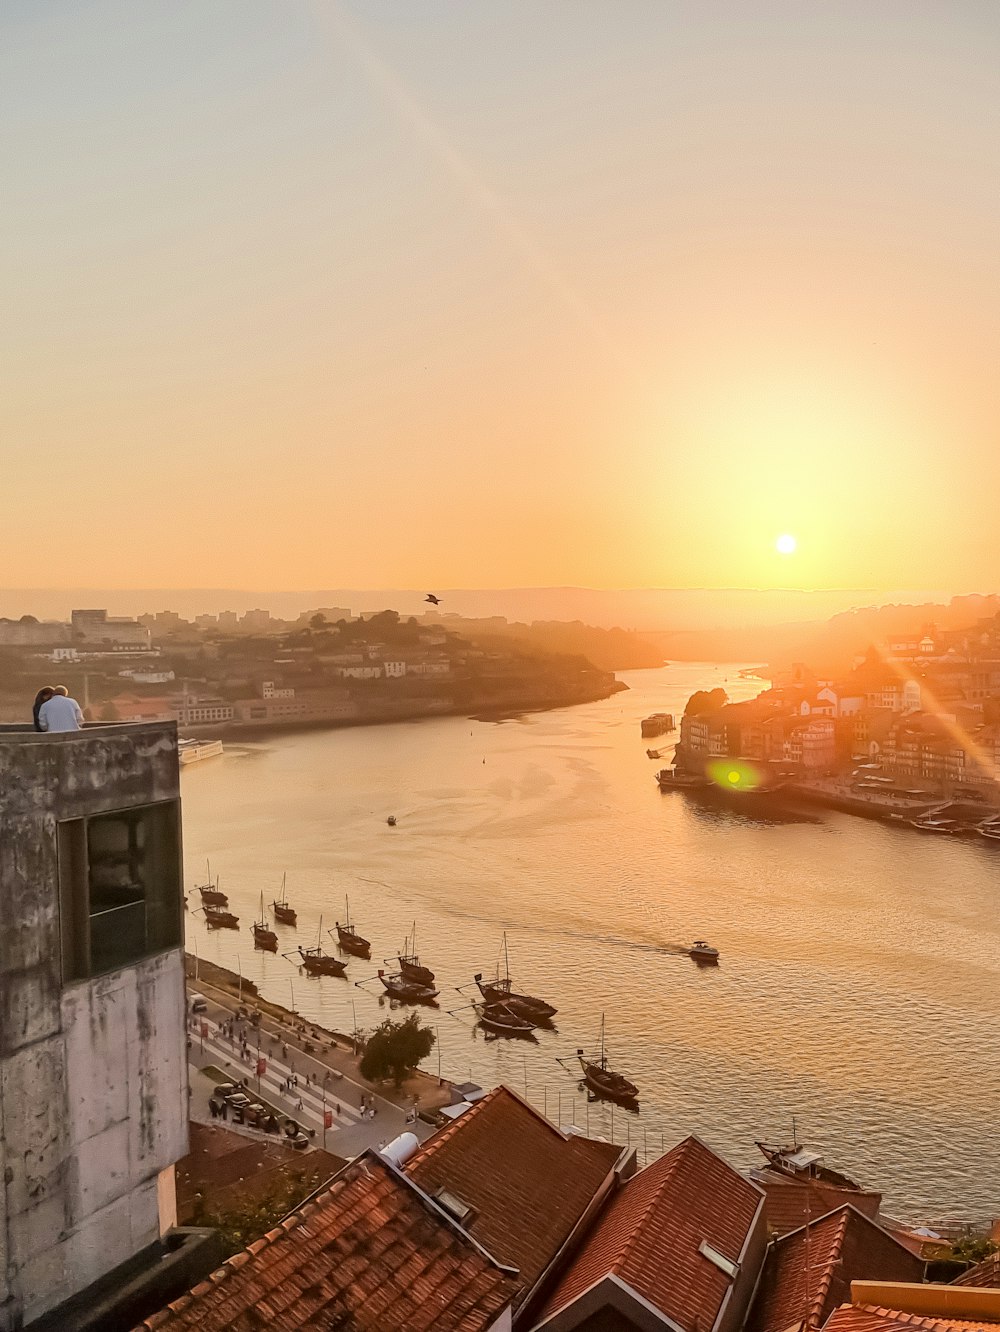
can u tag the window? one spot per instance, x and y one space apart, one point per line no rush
120 888
724 1264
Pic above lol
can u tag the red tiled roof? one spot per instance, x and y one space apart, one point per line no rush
529 1183
369 1253
870 1318
790 1203
986 1273
810 1270
649 1236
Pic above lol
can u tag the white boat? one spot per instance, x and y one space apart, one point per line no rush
192 751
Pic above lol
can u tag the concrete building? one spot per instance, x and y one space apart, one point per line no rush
394 670
192 710
30 632
270 690
93 1061
99 628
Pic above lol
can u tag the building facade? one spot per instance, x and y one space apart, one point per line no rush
93 1061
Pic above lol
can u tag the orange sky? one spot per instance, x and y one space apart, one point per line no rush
532 292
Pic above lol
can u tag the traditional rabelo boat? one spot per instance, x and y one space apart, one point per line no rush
318 963
498 991
348 937
218 918
283 913
604 1083
502 1020
263 936
211 896
407 991
409 963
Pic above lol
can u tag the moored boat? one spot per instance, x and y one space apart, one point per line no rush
210 893
218 918
657 723
391 820
409 963
263 936
283 913
603 1081
317 963
502 1020
348 937
499 991
407 992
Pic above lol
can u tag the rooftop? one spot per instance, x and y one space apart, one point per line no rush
492 1160
809 1271
369 1252
874 1318
986 1273
654 1236
790 1203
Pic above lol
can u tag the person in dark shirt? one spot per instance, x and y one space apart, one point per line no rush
41 697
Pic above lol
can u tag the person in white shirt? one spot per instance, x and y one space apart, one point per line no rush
60 713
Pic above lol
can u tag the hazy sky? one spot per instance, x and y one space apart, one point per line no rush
306 293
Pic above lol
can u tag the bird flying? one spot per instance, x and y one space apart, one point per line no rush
435 601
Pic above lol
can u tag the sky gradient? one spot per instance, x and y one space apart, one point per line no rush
394 293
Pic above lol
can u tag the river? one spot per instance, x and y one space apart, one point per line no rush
860 963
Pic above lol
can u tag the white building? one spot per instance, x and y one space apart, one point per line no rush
270 690
358 672
97 627
394 670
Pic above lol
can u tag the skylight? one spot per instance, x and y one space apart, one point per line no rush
724 1264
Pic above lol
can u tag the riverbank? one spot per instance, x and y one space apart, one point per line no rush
404 710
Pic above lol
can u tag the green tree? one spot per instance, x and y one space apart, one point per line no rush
317 621
394 1049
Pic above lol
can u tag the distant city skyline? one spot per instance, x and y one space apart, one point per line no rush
430 293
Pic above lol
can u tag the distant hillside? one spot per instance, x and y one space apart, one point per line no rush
607 649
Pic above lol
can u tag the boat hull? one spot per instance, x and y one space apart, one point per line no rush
503 1023
265 939
221 920
616 1089
286 915
353 943
405 992
415 973
524 1005
322 964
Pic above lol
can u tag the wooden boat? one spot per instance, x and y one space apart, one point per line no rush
391 820
282 911
950 827
654 753
318 963
672 779
409 963
802 1163
211 896
348 937
602 1081
407 992
263 937
217 918
703 952
502 1020
499 991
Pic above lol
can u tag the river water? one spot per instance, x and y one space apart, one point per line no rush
860 962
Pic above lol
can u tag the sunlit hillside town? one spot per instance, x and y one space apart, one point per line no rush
225 671
914 726
179 1153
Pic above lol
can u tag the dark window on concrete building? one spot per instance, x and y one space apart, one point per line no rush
120 888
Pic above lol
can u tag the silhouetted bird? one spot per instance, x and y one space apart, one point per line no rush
435 601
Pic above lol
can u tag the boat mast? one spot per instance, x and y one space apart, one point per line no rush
347 905
319 936
506 960
604 1062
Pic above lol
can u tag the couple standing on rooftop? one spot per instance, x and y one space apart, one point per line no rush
54 710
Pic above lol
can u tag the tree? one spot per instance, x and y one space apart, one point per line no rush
703 701
317 621
394 1049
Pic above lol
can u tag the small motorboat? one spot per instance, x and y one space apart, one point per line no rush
654 753
502 1020
950 827
391 820
701 951
283 913
405 991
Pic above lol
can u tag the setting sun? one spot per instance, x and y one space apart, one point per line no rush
785 544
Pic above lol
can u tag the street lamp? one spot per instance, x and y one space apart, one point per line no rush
326 1079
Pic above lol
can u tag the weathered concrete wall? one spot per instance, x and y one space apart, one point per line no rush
93 1076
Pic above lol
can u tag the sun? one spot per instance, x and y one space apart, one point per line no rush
785 544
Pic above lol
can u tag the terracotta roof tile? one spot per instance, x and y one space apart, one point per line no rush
360 1251
809 1271
650 1236
869 1318
986 1273
791 1203
494 1158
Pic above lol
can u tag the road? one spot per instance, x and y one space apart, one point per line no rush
328 1067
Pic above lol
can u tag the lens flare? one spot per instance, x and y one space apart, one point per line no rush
785 544
734 774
